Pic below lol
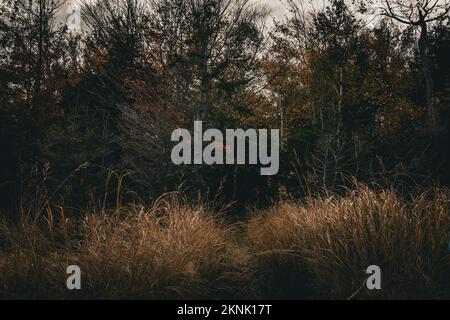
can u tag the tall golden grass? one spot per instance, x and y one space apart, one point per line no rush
319 248
170 250
325 245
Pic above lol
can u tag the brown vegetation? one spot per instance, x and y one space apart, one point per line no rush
317 249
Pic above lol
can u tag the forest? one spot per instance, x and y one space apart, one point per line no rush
358 89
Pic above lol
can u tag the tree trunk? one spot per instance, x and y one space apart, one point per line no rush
205 33
429 84
339 123
36 108
281 124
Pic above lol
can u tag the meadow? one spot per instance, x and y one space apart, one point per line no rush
318 248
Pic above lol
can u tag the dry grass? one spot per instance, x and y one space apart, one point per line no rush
319 248
167 251
170 251
325 245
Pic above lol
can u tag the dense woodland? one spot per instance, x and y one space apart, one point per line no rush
359 90
80 111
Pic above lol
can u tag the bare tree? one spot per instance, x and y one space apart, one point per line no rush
420 13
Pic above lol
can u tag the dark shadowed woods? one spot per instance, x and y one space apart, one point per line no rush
85 134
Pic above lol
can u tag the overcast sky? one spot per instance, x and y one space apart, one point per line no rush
278 8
